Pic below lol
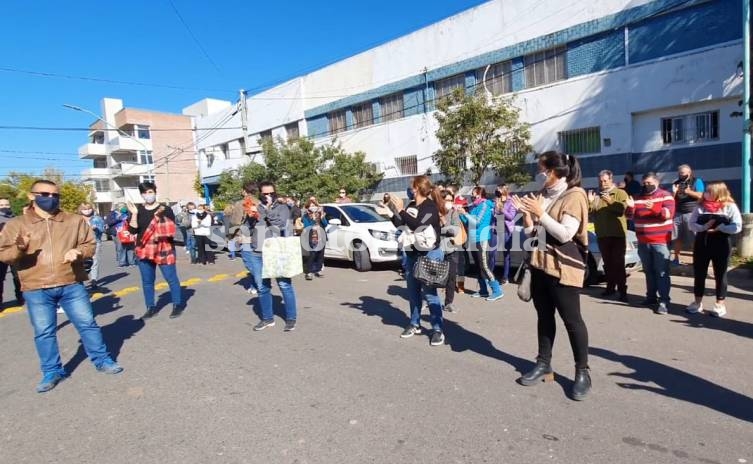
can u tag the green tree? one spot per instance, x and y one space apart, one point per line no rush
477 136
300 168
198 187
72 194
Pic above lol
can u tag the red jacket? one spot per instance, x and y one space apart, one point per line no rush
653 216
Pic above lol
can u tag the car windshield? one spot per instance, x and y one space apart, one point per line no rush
361 214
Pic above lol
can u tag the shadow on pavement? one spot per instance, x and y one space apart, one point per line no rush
114 334
677 384
111 278
165 299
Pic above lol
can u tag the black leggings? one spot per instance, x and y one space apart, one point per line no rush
201 246
549 295
452 279
714 248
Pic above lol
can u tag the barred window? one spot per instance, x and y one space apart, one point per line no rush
498 79
690 128
264 136
145 157
102 185
407 165
444 87
580 141
392 107
545 67
336 121
363 115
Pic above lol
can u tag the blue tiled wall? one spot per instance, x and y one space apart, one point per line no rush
596 54
376 110
413 101
470 82
318 126
518 75
695 27
349 120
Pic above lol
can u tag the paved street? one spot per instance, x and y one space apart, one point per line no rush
344 388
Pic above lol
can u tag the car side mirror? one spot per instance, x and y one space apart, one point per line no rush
335 222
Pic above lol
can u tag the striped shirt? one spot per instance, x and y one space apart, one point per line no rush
653 217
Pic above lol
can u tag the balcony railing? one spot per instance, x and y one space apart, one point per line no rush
127 144
96 173
133 169
91 150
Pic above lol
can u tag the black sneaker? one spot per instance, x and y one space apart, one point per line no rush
309 276
264 323
410 331
177 311
150 313
290 325
437 338
450 308
319 274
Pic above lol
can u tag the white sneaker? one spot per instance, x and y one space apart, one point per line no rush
252 291
60 310
694 308
719 310
662 309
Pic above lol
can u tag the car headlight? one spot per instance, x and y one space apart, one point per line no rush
379 234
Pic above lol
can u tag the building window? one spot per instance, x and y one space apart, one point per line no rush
580 141
97 138
292 130
690 128
142 132
498 79
102 185
545 67
392 107
100 164
363 115
407 165
444 87
336 121
265 136
145 157
143 179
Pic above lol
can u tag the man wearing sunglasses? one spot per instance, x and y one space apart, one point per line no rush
47 246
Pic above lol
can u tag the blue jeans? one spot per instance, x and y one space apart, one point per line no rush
148 270
265 289
42 306
126 254
191 245
246 258
415 291
655 261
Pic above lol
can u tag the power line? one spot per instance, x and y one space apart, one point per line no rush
109 81
88 129
193 36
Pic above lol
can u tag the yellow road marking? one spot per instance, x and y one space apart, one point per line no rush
126 291
161 286
11 310
192 281
96 296
218 277
241 274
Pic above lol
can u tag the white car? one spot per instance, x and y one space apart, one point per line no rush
357 233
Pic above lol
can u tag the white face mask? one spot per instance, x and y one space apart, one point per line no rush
87 212
541 179
149 198
448 205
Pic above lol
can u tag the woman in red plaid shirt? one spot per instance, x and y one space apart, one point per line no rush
154 225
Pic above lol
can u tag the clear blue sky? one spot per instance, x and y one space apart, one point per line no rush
253 43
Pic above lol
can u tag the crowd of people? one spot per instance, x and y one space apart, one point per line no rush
51 254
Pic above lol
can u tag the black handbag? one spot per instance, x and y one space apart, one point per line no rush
523 279
432 272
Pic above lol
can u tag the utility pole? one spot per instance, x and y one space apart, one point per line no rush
244 120
745 247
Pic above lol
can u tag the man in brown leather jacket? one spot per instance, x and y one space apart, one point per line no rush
47 246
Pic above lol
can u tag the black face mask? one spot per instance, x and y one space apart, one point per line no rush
648 189
684 178
201 215
498 194
5 211
271 198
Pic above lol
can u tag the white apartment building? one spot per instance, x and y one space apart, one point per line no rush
128 146
639 85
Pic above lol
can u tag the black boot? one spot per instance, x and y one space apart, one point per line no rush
150 313
582 385
177 311
542 372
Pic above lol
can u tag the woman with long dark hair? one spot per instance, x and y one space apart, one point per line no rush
714 220
504 207
558 215
420 223
315 236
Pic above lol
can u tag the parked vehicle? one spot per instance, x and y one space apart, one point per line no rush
595 272
357 233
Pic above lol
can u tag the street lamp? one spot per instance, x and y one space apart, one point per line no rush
120 132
